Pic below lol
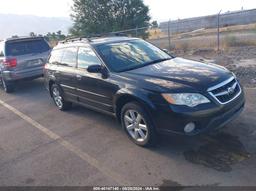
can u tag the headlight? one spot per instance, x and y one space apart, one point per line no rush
188 99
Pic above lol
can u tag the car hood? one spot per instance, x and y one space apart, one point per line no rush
179 73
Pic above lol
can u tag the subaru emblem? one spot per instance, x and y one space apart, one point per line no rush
231 90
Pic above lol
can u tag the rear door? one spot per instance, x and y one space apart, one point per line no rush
31 54
51 73
66 73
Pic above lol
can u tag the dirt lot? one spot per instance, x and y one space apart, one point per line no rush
240 60
41 146
237 45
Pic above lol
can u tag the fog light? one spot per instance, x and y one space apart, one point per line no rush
189 127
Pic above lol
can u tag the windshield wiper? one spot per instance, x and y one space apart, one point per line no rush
157 61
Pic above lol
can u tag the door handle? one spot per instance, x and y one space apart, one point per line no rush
79 77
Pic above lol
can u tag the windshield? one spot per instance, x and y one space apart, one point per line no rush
128 55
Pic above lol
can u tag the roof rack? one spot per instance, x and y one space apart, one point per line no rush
111 34
90 37
73 39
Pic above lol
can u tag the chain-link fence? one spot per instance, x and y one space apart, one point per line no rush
228 39
218 32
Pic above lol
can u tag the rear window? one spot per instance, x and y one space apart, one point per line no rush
26 47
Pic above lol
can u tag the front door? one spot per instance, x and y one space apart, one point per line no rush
88 84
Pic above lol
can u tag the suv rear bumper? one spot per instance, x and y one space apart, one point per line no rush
11 76
169 121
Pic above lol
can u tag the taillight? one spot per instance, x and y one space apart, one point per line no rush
10 63
46 66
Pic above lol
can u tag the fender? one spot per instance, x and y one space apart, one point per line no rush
48 79
139 95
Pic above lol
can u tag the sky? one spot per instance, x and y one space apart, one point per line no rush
160 10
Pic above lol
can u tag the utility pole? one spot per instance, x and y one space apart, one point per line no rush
218 35
169 34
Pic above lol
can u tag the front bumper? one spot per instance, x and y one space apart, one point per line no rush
209 117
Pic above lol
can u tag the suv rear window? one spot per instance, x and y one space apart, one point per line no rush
18 48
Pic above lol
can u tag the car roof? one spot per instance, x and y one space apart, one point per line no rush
20 39
107 40
92 41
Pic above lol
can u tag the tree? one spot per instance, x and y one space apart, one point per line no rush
59 33
103 16
32 34
154 24
54 38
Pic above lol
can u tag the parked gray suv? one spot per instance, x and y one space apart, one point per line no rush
22 58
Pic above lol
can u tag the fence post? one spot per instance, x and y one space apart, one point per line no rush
169 34
218 35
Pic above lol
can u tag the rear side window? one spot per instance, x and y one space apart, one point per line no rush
69 57
56 56
18 48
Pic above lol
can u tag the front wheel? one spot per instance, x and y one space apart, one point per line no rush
57 95
138 125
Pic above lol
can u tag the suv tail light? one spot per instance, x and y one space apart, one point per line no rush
46 66
10 63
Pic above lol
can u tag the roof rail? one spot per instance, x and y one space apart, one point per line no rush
89 37
73 39
111 34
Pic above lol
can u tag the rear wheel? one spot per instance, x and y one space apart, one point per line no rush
57 95
138 125
8 87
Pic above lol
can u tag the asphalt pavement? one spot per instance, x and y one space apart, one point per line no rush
42 146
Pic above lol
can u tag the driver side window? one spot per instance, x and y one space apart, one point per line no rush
87 57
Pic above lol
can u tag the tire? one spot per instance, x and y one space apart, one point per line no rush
137 125
7 87
58 98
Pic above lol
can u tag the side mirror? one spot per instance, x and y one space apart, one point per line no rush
94 69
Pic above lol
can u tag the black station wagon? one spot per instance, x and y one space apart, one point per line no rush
148 90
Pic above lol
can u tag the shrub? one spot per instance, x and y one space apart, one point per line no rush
231 41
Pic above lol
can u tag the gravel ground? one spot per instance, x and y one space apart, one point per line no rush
240 60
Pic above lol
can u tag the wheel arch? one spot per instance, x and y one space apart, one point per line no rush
123 98
51 82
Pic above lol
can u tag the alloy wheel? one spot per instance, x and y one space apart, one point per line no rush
57 97
136 125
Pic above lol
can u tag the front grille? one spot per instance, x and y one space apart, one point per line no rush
226 91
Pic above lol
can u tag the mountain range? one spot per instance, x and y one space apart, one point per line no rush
22 25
